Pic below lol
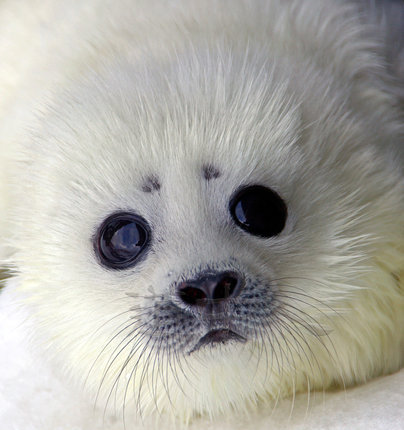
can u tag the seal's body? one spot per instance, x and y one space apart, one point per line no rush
201 203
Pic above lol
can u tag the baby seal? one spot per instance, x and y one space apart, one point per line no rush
202 202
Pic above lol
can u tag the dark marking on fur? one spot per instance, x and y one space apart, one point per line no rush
151 184
210 172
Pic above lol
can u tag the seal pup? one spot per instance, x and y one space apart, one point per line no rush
201 209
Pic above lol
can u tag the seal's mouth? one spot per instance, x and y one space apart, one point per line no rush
218 336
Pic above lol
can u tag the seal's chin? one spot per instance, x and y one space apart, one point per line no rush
218 336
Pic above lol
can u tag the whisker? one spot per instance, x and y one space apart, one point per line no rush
132 375
132 335
157 359
145 369
300 335
312 330
114 355
109 342
163 357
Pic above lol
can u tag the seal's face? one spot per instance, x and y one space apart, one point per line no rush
192 233
213 302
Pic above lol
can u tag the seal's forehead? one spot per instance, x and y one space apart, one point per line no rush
152 182
199 119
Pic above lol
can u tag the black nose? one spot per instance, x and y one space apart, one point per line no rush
208 288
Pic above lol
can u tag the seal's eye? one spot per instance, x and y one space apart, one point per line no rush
120 240
259 211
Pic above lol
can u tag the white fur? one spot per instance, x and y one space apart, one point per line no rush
290 94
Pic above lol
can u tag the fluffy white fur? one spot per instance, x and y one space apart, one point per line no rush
294 95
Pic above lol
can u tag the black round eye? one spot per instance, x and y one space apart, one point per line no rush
259 211
120 240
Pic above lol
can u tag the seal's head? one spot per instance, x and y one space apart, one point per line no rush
212 236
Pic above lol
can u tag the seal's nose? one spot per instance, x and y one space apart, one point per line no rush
208 288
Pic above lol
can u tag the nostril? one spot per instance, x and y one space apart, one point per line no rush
210 287
225 288
192 295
